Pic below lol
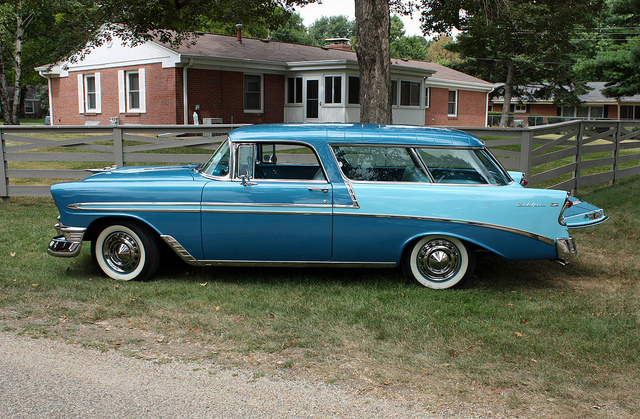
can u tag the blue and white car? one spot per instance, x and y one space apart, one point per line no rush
338 195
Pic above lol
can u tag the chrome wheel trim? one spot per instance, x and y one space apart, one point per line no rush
121 252
438 260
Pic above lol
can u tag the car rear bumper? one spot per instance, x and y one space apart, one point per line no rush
566 247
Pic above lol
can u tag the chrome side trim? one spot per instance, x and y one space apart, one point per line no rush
187 257
136 206
245 204
525 233
180 251
296 264
352 193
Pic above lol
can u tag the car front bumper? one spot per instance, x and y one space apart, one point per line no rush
68 242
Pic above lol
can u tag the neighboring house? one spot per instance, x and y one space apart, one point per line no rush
31 104
594 106
233 80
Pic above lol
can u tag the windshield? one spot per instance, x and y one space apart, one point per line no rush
218 164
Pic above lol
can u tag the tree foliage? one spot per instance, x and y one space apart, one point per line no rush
611 52
525 45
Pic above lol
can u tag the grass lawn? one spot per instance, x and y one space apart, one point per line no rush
529 339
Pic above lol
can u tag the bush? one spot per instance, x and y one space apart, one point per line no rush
534 120
494 119
555 119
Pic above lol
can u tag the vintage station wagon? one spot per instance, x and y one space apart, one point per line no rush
426 199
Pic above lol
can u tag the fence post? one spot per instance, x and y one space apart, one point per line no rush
616 153
577 159
4 181
526 151
118 147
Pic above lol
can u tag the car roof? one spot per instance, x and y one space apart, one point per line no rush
317 134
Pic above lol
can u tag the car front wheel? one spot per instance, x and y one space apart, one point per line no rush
126 252
439 262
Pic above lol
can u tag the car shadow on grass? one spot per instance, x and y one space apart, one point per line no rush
492 273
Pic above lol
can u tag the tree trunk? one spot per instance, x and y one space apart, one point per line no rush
17 91
508 92
374 60
4 93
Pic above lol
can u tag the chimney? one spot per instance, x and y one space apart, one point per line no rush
342 44
239 33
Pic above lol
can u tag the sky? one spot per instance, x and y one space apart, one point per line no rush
315 11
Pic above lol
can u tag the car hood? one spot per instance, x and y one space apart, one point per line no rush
143 173
583 214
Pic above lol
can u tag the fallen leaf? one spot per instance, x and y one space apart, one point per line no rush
205 284
34 285
217 308
13 254
518 334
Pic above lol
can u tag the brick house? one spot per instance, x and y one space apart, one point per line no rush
594 105
227 80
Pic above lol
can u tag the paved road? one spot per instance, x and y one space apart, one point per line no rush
42 378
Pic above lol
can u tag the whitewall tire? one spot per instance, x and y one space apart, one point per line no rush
438 262
126 252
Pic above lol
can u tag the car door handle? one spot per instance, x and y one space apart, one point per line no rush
322 189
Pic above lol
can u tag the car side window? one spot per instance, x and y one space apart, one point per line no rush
286 161
462 166
380 164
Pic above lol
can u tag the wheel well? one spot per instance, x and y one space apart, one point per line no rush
472 247
98 225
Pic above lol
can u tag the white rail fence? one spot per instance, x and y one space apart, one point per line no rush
563 156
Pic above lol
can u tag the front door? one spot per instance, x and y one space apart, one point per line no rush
312 105
276 208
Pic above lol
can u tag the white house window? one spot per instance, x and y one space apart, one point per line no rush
452 109
427 97
132 91
354 90
629 112
294 90
252 93
409 93
89 93
29 106
333 89
394 92
520 108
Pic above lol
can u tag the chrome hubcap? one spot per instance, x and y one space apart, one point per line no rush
439 260
121 252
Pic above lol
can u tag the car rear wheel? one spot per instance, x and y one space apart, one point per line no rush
439 262
126 251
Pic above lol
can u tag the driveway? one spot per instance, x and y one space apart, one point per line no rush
48 378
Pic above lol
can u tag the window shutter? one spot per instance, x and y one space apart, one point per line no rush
143 94
98 93
81 93
121 92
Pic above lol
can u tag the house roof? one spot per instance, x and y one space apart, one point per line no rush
225 52
228 47
595 95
